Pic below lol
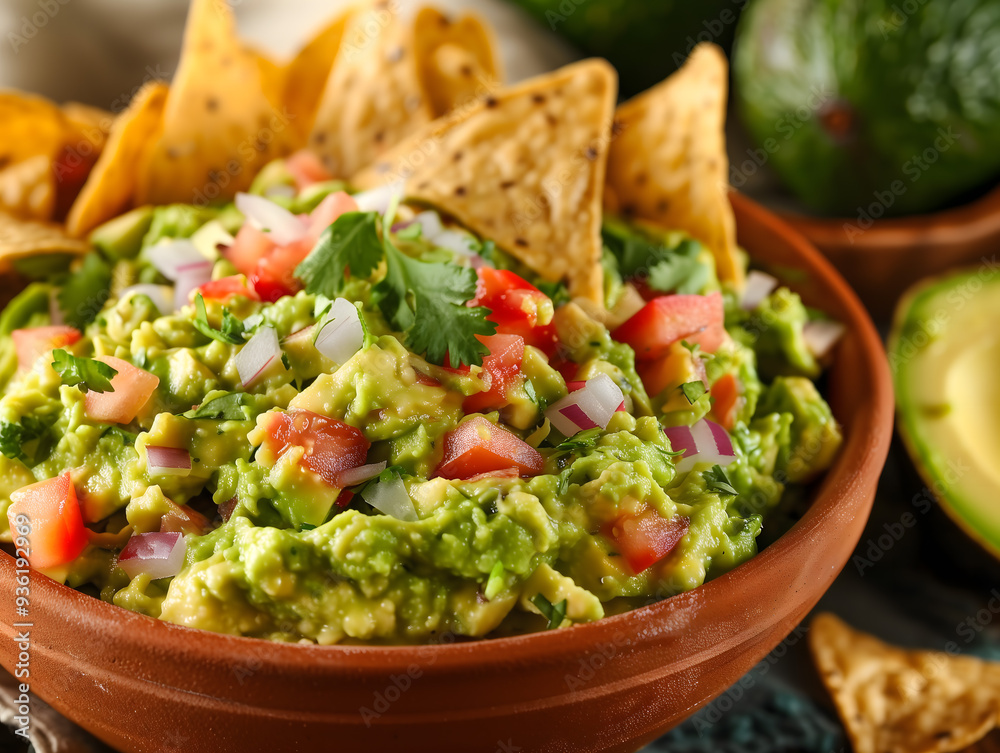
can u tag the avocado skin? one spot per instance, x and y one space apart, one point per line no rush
884 107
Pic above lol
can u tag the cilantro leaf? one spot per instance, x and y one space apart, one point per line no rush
84 293
676 269
352 244
16 435
229 407
426 301
693 390
232 328
554 613
717 481
89 373
580 441
495 583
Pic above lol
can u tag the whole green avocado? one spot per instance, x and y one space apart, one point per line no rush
871 107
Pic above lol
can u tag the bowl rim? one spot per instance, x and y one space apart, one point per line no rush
862 455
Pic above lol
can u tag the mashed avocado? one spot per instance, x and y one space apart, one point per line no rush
362 474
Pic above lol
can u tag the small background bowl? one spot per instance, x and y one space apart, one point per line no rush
613 685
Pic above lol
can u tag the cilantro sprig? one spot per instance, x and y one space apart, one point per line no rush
669 269
85 291
231 407
88 373
16 436
717 481
554 613
232 329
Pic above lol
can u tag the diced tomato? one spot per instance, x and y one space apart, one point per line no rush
502 367
646 538
275 273
183 519
326 212
331 446
226 288
306 168
516 307
669 318
31 344
71 170
564 366
727 399
502 473
132 389
427 380
57 534
344 499
249 247
478 446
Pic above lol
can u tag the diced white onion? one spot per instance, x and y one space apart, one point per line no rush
821 336
354 476
177 257
342 336
430 224
590 407
379 199
454 240
704 442
156 293
257 355
281 191
210 237
276 221
758 286
158 555
189 281
168 461
390 497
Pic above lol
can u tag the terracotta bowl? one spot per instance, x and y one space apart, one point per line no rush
614 685
882 261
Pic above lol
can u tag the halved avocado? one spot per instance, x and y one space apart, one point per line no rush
944 352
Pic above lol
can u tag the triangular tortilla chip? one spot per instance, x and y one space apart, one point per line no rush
372 99
456 60
112 184
668 162
896 701
524 168
306 75
20 238
223 120
91 124
28 188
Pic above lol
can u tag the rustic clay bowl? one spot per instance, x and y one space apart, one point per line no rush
613 685
882 261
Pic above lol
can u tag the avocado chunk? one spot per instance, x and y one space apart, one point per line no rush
121 238
944 349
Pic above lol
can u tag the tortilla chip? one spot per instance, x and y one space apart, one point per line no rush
92 124
456 60
896 701
306 75
668 162
222 122
372 99
524 168
28 188
20 238
112 185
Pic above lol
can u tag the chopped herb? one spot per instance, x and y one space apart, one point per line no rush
534 397
126 437
88 373
350 245
555 290
15 436
717 481
554 613
307 527
285 362
580 441
675 269
496 582
693 390
142 359
232 328
83 295
231 407
564 477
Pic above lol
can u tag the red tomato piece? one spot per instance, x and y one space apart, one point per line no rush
516 305
331 446
502 367
57 534
564 366
71 170
275 273
248 249
226 288
646 538
727 399
31 344
478 446
132 389
669 318
327 212
306 169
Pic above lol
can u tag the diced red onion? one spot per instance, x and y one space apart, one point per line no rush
390 497
210 237
168 461
257 355
589 407
704 442
281 225
379 199
189 281
156 293
178 257
158 555
355 476
821 336
342 336
477 262
758 286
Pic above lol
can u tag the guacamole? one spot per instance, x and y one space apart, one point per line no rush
386 430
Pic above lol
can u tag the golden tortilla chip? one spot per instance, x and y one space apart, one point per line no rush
896 701
456 60
112 185
372 98
223 120
28 188
92 124
524 168
20 238
668 162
